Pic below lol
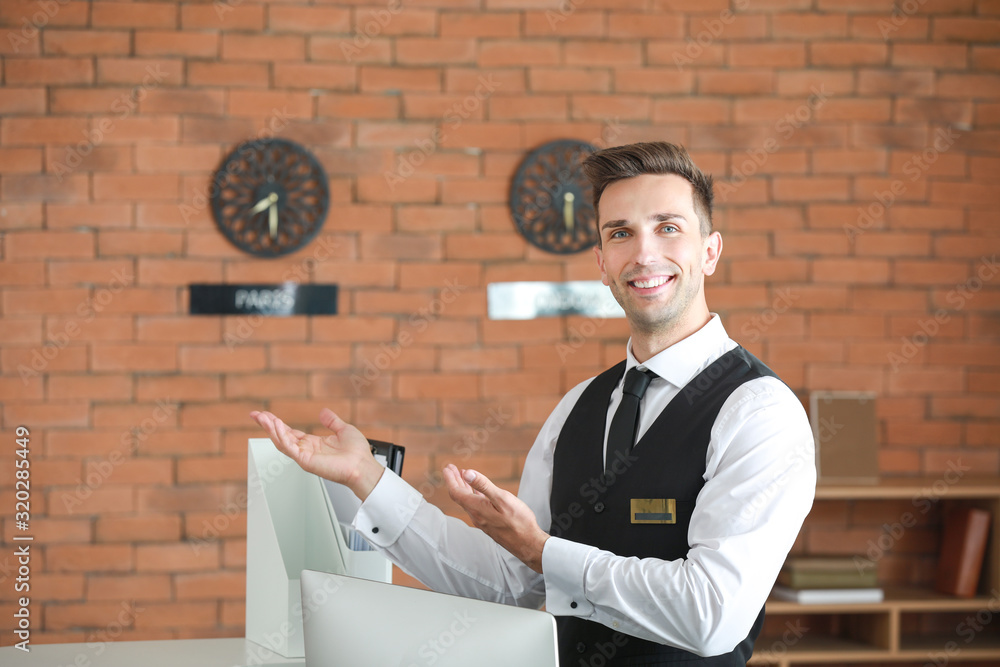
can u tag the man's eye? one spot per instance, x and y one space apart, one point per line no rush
621 233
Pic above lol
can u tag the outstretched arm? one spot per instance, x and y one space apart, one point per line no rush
344 457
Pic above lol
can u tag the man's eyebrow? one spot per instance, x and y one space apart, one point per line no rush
658 217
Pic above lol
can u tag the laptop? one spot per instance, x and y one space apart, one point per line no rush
351 622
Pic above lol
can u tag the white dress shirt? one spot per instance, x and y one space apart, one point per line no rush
760 480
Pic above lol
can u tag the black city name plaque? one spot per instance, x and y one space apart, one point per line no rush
272 300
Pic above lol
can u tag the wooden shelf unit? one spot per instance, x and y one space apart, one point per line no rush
893 631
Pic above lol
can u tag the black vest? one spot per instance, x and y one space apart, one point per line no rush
667 462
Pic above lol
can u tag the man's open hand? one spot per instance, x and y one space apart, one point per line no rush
344 457
498 513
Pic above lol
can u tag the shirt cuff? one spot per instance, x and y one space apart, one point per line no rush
384 515
563 564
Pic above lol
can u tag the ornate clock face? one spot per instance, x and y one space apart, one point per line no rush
270 197
550 198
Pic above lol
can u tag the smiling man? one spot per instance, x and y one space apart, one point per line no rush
660 498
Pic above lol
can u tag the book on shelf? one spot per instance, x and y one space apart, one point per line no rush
963 546
825 572
828 595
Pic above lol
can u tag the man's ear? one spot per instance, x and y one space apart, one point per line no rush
713 250
600 263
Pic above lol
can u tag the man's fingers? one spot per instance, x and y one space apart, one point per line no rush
482 484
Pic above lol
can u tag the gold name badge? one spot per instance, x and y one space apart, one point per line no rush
654 510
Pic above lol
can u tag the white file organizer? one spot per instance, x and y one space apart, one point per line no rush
291 526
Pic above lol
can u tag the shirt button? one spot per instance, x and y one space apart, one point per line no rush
572 605
614 624
599 507
581 648
375 529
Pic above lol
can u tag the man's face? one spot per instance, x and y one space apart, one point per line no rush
653 255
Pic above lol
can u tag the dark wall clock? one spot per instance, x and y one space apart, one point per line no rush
270 197
550 198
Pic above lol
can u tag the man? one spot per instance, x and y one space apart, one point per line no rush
655 538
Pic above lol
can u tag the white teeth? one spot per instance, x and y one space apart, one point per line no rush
652 282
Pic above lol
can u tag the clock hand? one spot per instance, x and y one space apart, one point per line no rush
262 204
272 217
568 216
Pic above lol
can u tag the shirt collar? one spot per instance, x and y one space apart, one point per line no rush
680 362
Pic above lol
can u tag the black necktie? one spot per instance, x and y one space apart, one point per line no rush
625 423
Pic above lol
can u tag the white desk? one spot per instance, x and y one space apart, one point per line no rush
236 652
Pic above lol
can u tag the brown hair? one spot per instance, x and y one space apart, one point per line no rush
657 157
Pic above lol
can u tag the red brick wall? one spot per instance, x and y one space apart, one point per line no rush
857 148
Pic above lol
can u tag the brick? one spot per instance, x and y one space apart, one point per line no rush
528 107
87 42
251 103
213 359
356 50
775 54
900 82
811 188
852 53
138 587
309 19
576 23
262 47
643 25
965 29
808 26
134 357
410 386
212 469
36 130
134 71
735 83
165 101
921 110
119 187
425 51
388 79
480 25
89 558
51 71
369 107
648 80
328 76
229 16
214 586
962 86
177 615
507 53
850 270
227 74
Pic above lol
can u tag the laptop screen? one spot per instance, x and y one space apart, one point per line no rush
350 622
